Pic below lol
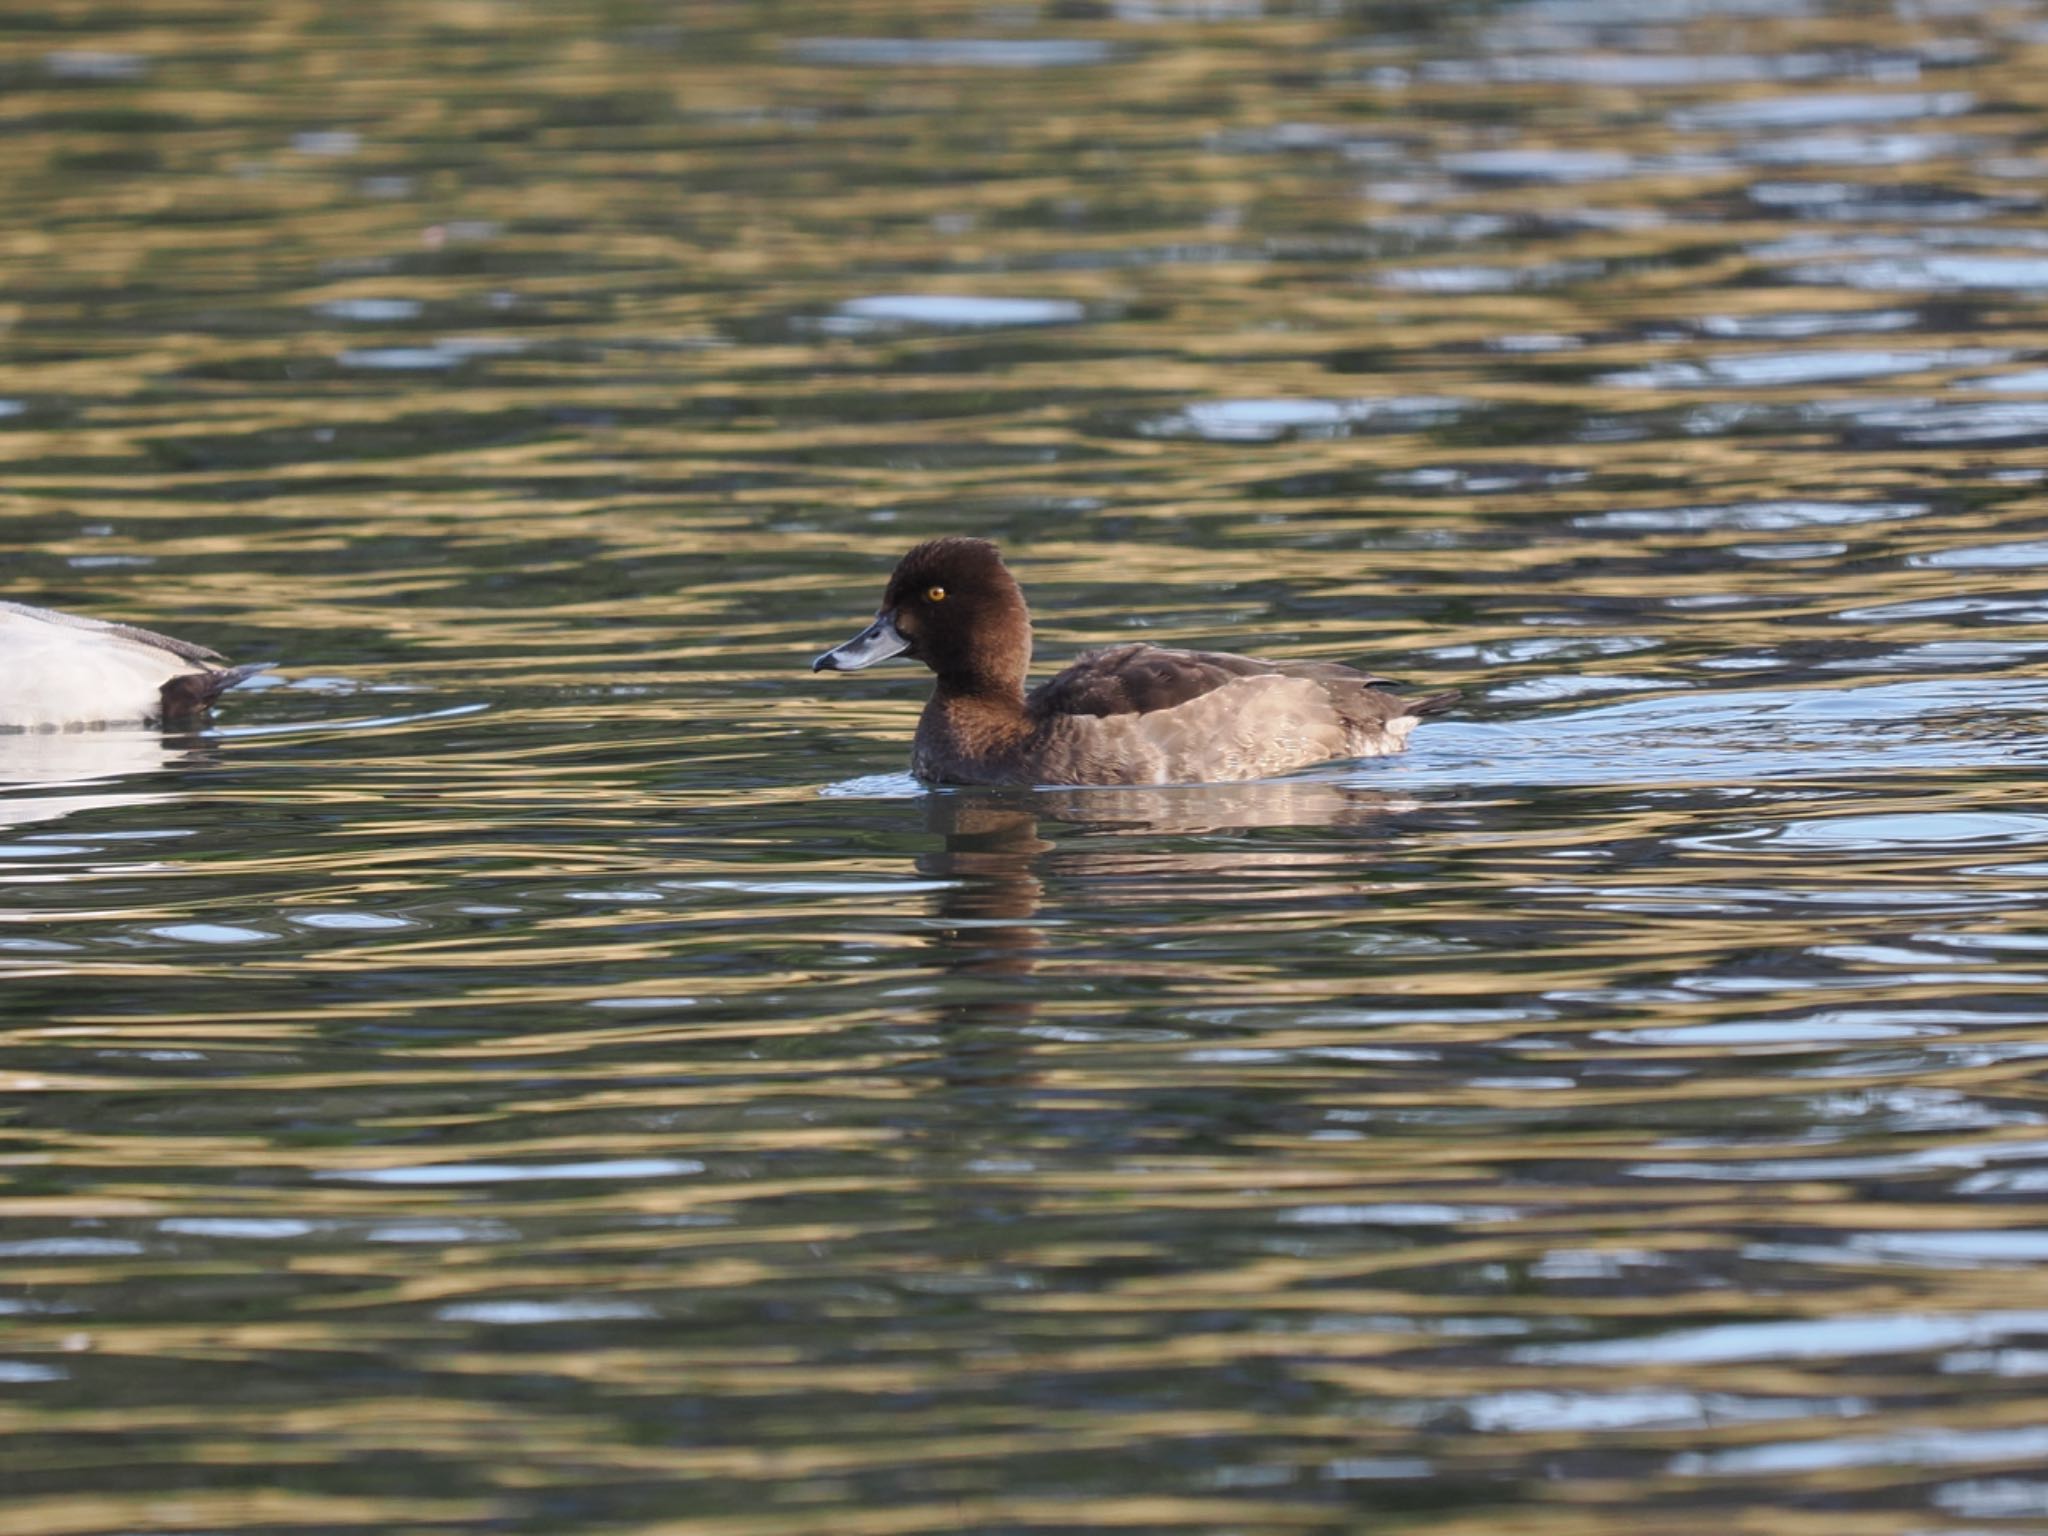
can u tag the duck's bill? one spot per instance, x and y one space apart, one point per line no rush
878 642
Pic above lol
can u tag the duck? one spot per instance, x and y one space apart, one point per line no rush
63 671
1129 714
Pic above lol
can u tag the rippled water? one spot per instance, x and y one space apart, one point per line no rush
540 1064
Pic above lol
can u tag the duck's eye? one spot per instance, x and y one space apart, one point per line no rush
935 594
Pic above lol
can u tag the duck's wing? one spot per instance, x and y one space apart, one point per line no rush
17 615
1141 679
1139 714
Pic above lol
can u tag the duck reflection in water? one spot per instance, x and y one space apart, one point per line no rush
35 763
999 853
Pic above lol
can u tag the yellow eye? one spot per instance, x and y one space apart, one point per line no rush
935 594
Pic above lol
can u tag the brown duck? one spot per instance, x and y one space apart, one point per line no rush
1132 714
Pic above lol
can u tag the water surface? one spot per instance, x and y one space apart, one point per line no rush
540 1063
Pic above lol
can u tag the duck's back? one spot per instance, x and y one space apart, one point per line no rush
58 669
1145 714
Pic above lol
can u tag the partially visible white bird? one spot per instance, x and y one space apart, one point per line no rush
60 671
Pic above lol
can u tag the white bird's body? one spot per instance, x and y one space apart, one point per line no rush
59 671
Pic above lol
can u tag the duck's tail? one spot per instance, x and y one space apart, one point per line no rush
187 697
1432 704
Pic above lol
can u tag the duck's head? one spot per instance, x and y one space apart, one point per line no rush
953 605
